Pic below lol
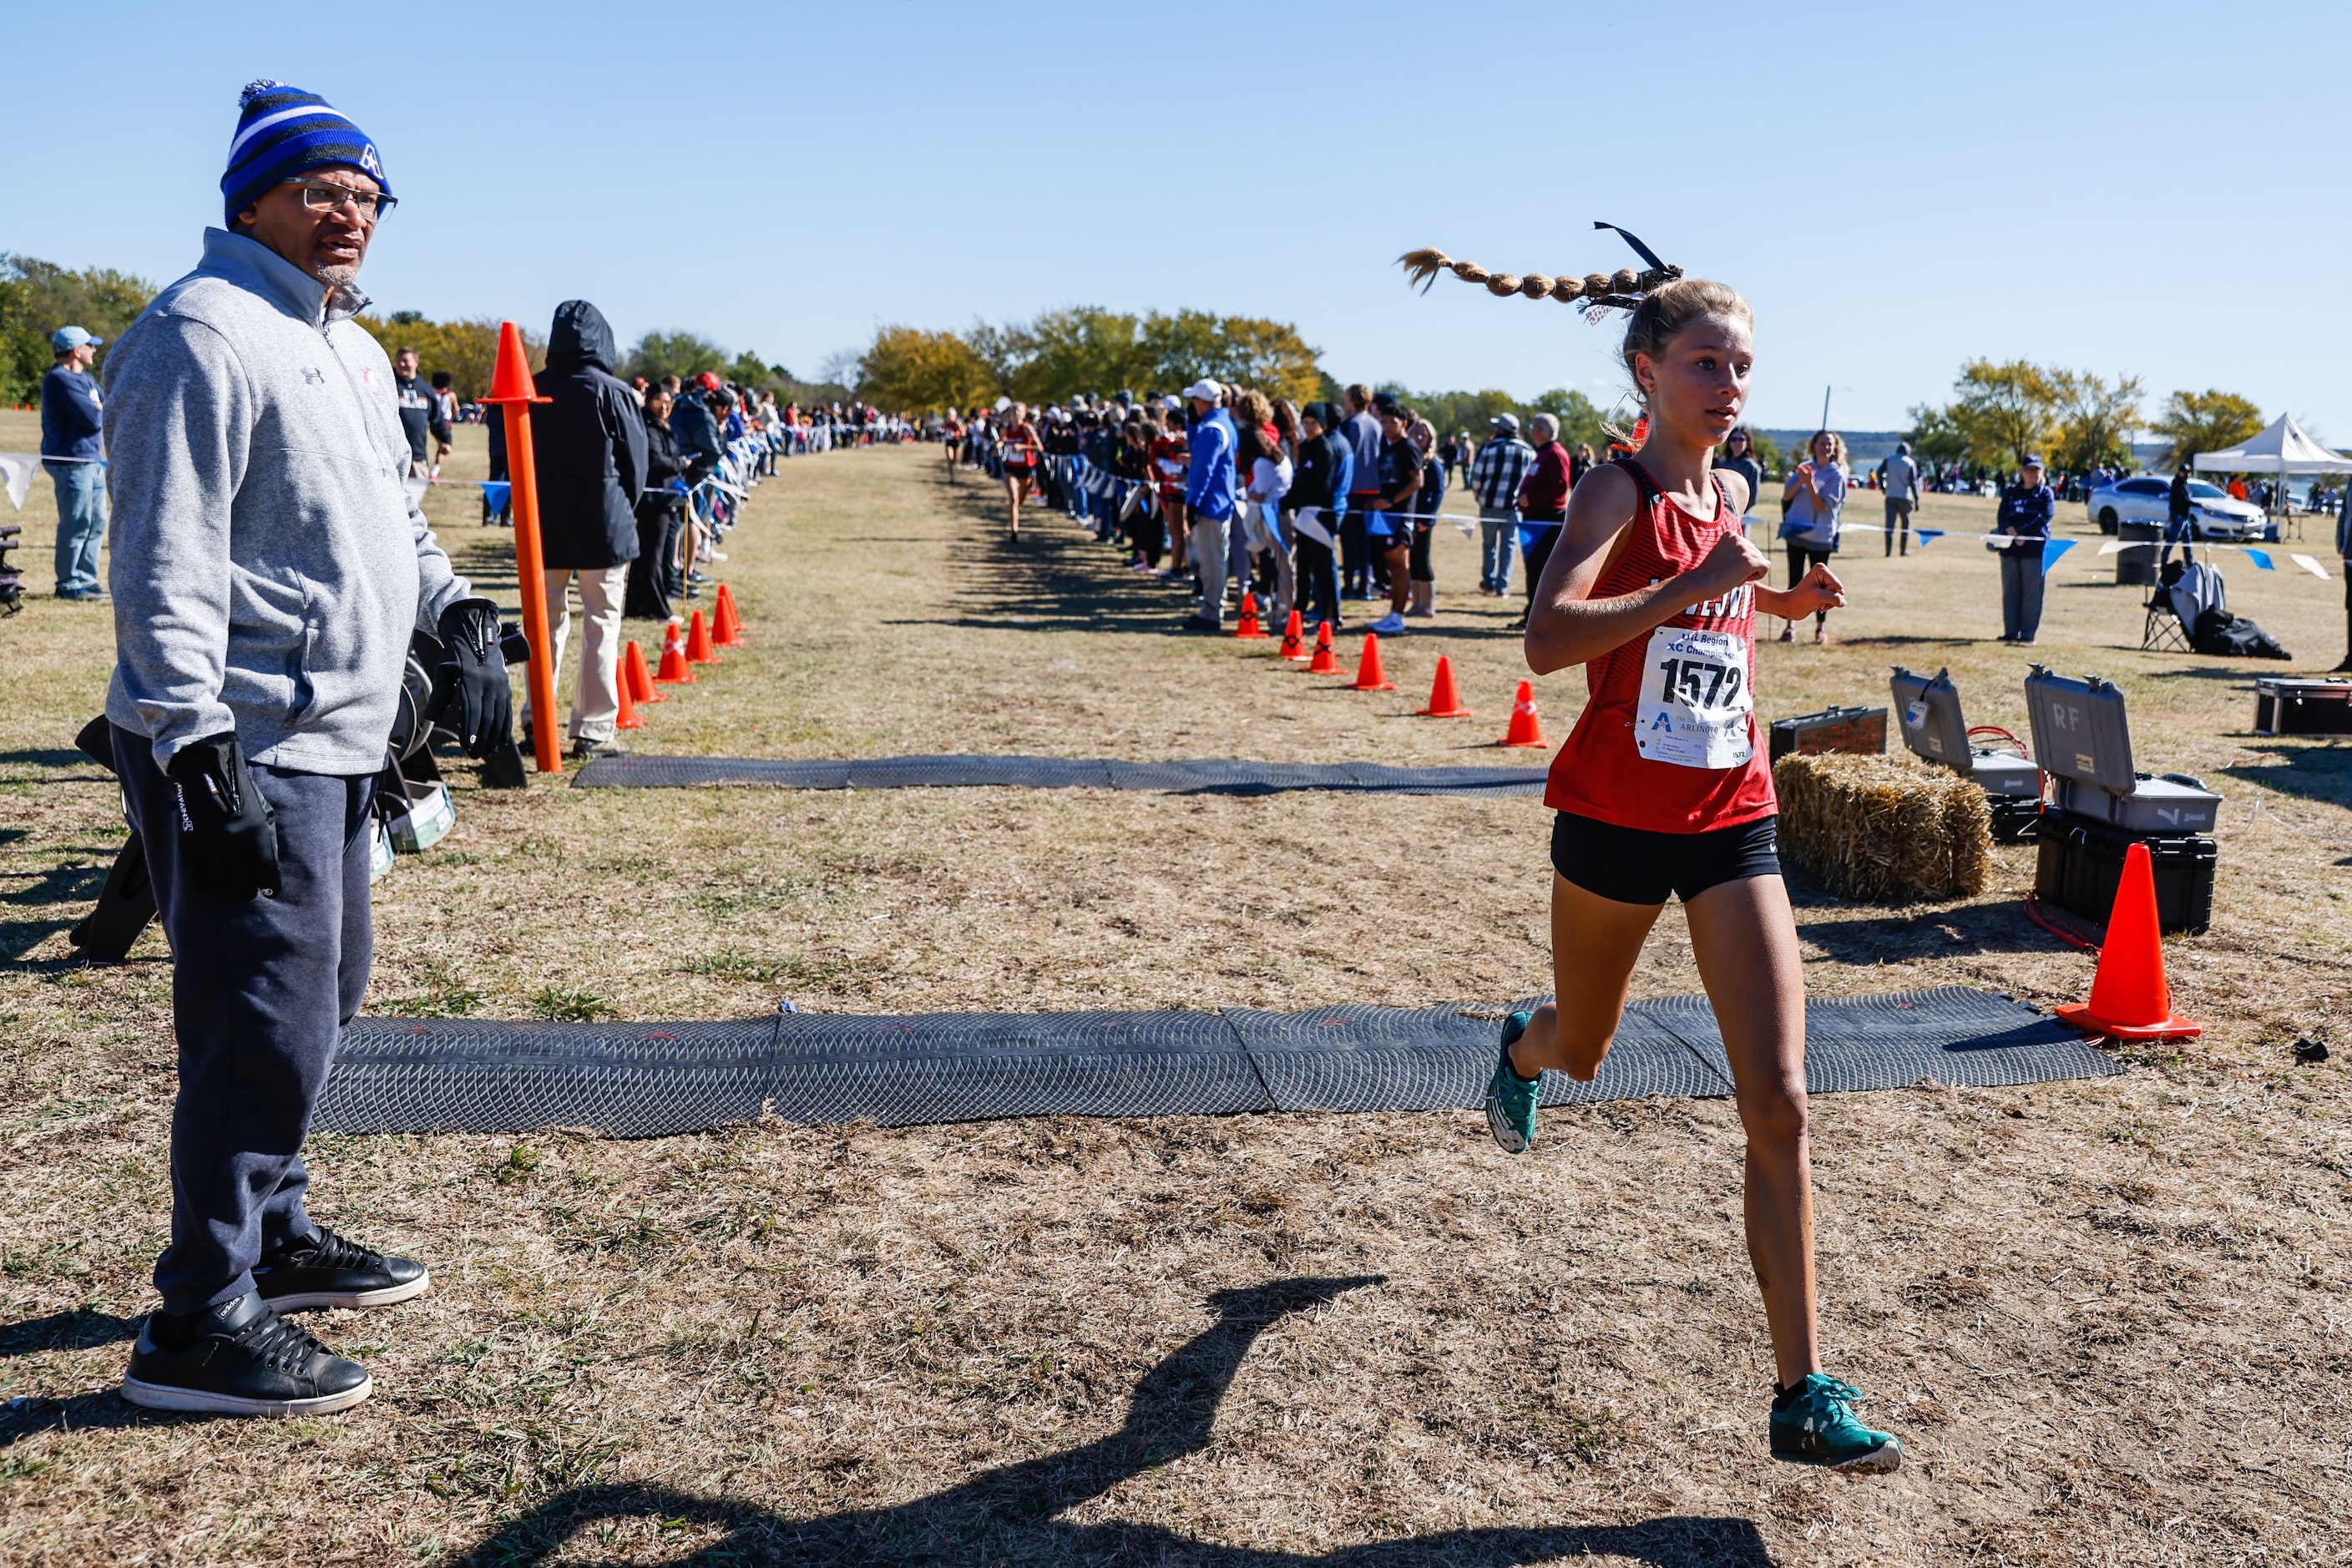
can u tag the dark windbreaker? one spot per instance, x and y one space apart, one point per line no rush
589 443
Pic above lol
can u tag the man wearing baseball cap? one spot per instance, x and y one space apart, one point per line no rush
1209 496
73 451
270 570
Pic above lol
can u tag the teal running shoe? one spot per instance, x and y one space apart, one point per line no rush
1511 1098
1814 1424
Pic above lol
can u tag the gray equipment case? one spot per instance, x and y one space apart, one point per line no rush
1929 710
2083 740
2173 803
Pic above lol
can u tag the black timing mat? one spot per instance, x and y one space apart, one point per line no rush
1203 777
644 1080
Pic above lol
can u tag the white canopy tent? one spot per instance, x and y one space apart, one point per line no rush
2283 449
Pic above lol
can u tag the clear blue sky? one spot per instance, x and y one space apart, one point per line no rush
1896 188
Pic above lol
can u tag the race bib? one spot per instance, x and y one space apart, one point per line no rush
1695 706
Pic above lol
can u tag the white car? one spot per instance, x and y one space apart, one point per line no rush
2145 497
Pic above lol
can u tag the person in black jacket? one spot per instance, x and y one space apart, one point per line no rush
589 441
1309 501
2180 518
661 515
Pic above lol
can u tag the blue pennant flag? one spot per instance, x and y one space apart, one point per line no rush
2261 558
2052 549
1928 536
494 493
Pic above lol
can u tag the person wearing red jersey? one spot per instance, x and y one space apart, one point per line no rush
1662 790
1172 457
1017 450
951 434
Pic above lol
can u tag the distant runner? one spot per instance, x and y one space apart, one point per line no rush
1017 451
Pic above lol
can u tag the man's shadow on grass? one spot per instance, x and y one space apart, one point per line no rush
1010 1513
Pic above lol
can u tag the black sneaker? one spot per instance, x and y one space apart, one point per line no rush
327 1270
584 751
240 1359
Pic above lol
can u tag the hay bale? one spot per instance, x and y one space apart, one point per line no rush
1883 829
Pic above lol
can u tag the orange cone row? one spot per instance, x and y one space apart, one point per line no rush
1370 675
1444 696
682 647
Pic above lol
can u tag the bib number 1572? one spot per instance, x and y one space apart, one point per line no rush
1695 706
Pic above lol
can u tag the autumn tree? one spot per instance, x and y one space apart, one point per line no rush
2095 420
909 371
467 350
2208 420
1083 348
2003 412
682 354
38 297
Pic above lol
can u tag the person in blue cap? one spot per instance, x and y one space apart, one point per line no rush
73 451
270 570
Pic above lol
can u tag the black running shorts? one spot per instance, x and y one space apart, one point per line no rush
1636 866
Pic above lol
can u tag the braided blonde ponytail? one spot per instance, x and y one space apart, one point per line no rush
1623 289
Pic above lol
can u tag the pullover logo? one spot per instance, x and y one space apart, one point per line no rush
313 376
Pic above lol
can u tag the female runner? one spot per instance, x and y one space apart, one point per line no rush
1017 451
1663 789
951 441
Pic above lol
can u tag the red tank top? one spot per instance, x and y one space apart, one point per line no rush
1668 741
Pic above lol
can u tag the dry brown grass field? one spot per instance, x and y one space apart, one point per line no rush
2108 1318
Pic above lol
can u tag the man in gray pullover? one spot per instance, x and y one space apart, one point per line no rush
268 570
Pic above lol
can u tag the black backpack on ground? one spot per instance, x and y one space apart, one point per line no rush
2224 635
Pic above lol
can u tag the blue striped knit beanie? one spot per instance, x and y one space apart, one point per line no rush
282 131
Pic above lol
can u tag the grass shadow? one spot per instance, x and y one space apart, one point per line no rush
1895 938
79 1330
2321 774
1008 1513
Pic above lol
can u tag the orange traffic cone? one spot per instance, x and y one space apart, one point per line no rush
1325 662
636 677
697 642
1249 629
675 671
2130 999
1369 675
628 719
1526 729
1444 702
728 632
1293 639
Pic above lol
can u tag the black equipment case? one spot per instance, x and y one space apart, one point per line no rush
2285 707
2080 864
1859 730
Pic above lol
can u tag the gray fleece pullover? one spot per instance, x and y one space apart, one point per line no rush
268 564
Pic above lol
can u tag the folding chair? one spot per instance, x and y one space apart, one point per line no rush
2184 591
2162 631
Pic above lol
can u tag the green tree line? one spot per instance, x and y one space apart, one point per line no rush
2075 420
1085 348
38 297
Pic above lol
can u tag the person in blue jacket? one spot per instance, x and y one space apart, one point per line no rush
1209 497
2026 509
72 450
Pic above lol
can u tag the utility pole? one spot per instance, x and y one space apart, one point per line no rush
1825 410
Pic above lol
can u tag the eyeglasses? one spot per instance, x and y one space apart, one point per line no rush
320 196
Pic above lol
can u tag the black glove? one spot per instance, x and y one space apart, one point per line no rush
473 679
228 835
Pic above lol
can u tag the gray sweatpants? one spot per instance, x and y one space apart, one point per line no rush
260 992
1210 540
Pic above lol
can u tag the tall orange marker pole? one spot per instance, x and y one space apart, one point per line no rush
510 385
